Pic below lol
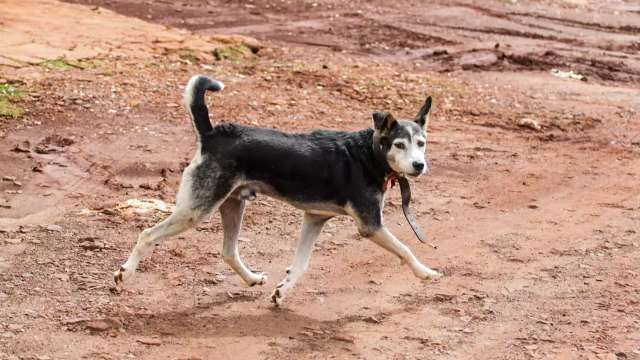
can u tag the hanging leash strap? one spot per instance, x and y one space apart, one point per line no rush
405 193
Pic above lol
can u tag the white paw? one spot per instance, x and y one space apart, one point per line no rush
277 295
425 273
258 279
276 298
122 275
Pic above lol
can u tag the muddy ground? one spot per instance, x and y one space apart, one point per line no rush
533 196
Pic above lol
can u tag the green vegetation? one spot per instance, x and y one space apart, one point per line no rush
8 95
234 53
60 64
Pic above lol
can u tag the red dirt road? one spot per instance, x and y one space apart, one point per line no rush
538 231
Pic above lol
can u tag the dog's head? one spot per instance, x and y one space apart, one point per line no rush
404 141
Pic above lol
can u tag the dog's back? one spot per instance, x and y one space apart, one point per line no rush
320 167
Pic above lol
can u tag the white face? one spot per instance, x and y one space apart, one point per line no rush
407 152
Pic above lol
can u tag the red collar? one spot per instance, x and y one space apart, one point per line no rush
390 181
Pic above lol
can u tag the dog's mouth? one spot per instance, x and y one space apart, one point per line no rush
415 174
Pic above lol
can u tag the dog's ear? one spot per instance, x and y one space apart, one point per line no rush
383 121
423 115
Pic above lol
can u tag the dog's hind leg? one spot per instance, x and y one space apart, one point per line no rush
196 199
231 212
181 220
311 227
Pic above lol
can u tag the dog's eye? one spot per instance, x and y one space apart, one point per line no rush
399 145
420 143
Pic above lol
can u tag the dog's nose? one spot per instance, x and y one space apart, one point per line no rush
419 166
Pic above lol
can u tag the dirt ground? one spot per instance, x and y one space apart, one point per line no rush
533 198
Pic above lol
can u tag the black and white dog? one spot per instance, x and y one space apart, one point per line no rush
324 173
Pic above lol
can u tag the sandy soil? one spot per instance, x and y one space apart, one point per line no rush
533 198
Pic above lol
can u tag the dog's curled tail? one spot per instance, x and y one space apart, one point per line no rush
194 100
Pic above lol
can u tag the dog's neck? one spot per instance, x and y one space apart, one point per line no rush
387 175
390 181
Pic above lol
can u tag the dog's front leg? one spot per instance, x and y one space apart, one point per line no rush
311 227
386 240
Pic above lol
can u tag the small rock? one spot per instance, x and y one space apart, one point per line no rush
371 319
478 205
343 338
91 245
74 321
568 75
14 327
22 147
102 324
443 297
533 206
149 341
146 186
478 60
52 227
177 252
530 123
13 241
8 178
25 229
98 325
109 212
610 356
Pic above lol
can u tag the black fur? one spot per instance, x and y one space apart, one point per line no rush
421 117
197 106
332 168
323 167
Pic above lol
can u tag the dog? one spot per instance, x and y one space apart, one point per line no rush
323 173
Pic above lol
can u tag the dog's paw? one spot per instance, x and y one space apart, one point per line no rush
120 276
276 297
428 274
258 279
